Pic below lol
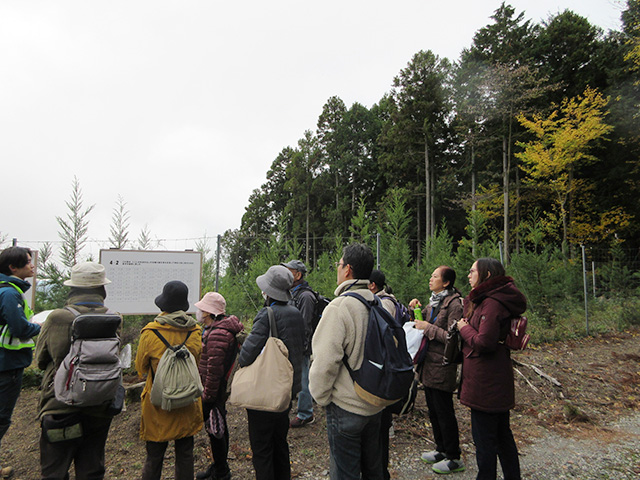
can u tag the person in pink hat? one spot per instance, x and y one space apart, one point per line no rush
219 352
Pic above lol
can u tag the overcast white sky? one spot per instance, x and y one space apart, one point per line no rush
181 106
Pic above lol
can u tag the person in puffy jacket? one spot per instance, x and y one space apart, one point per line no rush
268 430
158 426
219 351
487 386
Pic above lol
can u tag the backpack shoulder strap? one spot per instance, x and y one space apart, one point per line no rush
361 298
164 340
72 310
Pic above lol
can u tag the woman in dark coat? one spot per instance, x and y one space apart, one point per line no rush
268 430
219 352
487 373
444 309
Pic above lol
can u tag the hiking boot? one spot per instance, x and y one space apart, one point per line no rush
432 457
448 466
297 422
207 474
6 472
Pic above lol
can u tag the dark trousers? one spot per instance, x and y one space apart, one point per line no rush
493 438
386 420
152 469
219 446
10 384
268 437
86 452
443 422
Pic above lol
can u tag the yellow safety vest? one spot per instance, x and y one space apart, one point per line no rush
7 340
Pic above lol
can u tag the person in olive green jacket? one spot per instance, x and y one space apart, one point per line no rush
159 426
88 425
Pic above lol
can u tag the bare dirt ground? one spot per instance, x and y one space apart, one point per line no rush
585 427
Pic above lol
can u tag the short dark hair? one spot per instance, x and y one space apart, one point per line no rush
360 257
488 265
17 257
448 274
378 278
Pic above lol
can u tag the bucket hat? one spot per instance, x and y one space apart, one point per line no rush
87 275
276 283
174 297
212 303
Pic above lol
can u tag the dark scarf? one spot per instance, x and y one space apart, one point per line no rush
482 291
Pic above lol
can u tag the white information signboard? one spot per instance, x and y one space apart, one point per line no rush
137 278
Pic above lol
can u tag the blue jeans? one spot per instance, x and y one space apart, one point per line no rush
354 441
10 385
305 401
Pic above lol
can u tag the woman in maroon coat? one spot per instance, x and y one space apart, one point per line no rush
219 351
487 373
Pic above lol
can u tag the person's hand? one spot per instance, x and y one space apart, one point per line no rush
462 323
414 303
421 325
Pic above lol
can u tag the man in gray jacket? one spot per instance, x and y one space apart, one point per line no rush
305 301
353 425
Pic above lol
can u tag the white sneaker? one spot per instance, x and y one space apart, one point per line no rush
432 457
448 466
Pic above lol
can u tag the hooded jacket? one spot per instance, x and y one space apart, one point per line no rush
487 372
218 347
53 345
156 424
342 331
12 314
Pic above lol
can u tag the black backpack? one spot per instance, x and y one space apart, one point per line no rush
320 305
386 373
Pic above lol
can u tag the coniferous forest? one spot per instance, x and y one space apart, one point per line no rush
525 148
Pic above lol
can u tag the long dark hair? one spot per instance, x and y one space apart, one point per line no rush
489 267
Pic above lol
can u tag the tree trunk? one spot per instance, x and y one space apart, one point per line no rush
419 259
306 254
505 189
432 215
427 181
473 192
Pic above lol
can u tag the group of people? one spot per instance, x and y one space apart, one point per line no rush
357 431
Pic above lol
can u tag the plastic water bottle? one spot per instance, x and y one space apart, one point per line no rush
417 313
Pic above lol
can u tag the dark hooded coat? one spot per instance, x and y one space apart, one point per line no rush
487 372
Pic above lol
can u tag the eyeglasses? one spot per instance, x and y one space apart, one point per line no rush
338 264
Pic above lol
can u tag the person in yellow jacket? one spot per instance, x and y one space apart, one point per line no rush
159 426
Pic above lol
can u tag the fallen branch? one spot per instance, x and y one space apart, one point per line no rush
539 372
527 380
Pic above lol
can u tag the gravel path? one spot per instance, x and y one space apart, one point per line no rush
603 453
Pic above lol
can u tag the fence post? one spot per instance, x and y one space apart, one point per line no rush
593 276
584 281
218 264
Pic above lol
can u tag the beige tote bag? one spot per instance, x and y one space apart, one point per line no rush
265 384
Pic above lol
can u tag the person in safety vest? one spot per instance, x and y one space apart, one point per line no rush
16 332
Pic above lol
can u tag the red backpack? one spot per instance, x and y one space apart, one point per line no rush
517 336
